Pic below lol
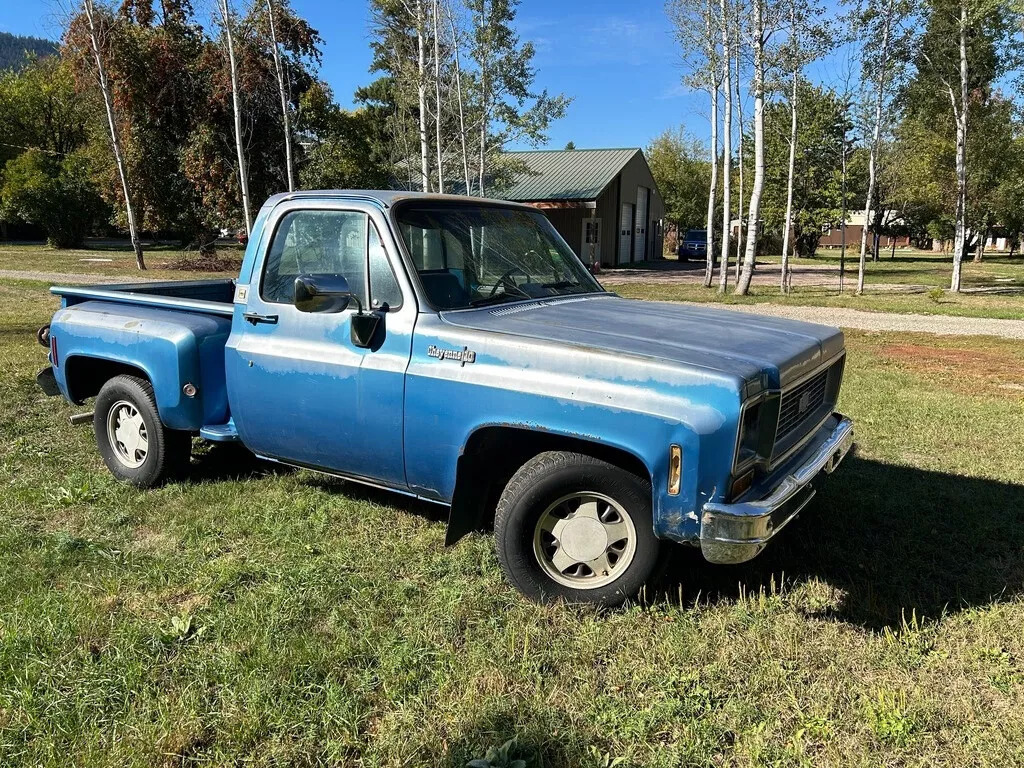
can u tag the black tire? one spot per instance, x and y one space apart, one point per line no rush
167 451
542 481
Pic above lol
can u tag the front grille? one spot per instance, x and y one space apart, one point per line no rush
801 402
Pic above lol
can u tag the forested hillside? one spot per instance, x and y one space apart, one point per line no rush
13 48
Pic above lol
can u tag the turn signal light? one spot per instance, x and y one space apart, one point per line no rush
53 350
741 484
675 469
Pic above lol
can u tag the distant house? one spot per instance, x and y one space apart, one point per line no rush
832 236
604 202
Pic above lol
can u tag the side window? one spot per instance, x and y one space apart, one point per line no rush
327 242
383 285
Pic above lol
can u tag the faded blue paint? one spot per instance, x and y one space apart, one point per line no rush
171 347
634 376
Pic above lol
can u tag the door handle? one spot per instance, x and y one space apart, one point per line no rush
256 317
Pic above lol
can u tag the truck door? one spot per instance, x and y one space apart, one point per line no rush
300 390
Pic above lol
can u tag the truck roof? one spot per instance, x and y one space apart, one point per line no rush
386 197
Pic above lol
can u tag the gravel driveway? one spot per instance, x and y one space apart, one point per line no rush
943 325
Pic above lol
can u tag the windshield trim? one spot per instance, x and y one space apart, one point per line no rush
528 300
410 265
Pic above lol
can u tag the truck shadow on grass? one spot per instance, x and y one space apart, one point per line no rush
894 539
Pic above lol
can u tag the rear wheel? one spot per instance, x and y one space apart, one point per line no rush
134 444
573 527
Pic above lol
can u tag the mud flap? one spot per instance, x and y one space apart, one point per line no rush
47 382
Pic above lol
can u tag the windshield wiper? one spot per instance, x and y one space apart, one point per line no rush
562 285
499 298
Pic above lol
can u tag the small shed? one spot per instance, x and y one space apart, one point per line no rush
604 202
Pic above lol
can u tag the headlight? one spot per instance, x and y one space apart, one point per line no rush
749 434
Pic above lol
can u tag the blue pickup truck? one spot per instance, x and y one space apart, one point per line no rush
456 350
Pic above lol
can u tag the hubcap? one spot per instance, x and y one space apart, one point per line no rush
584 540
126 432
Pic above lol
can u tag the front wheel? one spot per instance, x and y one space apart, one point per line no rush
574 527
134 444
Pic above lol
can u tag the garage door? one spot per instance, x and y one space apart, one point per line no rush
640 228
625 233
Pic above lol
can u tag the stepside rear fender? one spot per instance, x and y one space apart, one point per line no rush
97 339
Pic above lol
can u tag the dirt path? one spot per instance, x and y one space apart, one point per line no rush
943 325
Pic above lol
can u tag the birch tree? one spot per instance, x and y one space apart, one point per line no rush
96 43
283 91
460 98
421 90
877 68
737 37
723 267
801 48
436 33
758 42
966 48
236 106
694 25
712 85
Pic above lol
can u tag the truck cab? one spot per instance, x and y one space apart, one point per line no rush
456 350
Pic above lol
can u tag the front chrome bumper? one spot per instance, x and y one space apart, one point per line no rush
735 533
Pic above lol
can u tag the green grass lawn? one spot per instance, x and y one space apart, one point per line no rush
912 266
962 305
105 258
251 616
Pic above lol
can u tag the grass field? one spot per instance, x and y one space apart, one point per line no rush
995 287
252 616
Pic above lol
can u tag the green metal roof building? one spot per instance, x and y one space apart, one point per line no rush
604 202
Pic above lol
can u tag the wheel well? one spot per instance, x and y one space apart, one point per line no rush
85 376
493 454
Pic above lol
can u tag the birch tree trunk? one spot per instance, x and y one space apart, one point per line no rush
754 212
712 83
243 171
739 144
873 154
961 155
421 88
484 98
279 69
437 100
459 100
723 267
787 227
115 138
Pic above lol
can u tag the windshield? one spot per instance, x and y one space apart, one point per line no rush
474 255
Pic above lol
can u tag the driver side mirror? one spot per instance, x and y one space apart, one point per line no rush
323 293
331 293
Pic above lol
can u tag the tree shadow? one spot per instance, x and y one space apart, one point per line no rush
894 539
542 738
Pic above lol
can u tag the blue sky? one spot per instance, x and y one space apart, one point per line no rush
617 61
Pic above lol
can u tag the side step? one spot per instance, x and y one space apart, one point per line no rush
220 433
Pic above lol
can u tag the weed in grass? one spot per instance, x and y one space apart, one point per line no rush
890 718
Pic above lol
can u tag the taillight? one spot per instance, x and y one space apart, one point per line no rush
53 350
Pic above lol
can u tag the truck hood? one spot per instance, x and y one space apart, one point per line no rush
736 343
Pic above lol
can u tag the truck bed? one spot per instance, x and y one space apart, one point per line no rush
213 297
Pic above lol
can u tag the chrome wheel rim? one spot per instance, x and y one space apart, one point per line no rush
584 540
126 433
